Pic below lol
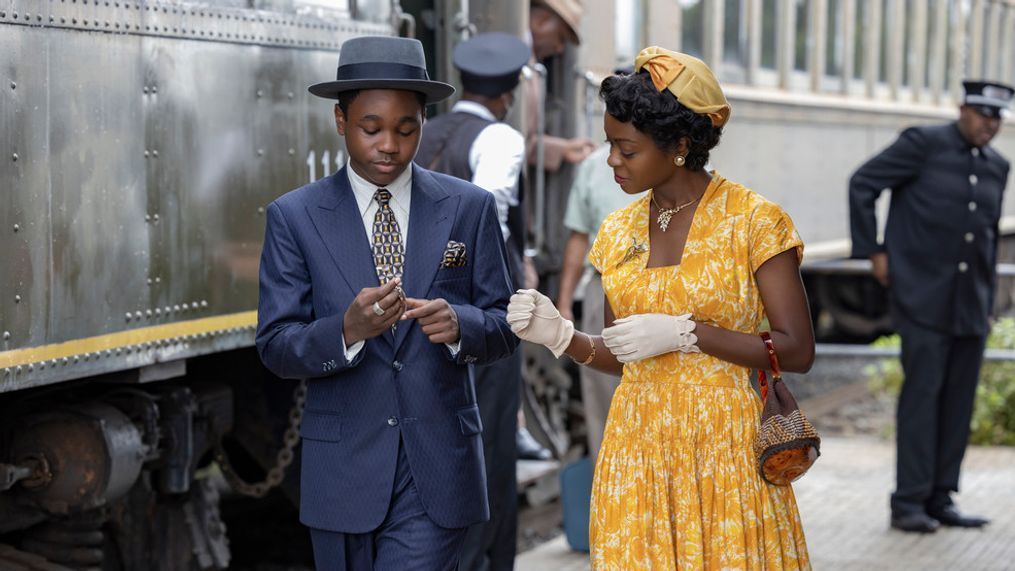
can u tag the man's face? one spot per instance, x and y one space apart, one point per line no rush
550 35
382 132
978 128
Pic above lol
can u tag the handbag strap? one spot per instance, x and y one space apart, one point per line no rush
773 360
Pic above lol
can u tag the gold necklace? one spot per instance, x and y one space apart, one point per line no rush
665 214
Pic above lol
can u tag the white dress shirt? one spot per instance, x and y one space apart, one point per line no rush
496 159
401 198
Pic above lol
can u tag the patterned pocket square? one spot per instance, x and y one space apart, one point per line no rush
454 255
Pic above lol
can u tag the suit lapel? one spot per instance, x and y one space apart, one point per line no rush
337 219
431 216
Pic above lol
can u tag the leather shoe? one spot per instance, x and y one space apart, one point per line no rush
529 448
951 517
917 522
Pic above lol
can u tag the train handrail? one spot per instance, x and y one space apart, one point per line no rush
860 267
869 352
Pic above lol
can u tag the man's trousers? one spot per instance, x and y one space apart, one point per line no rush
934 414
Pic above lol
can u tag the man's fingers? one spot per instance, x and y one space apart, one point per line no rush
421 308
379 293
389 301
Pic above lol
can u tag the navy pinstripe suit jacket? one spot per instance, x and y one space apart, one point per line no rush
316 258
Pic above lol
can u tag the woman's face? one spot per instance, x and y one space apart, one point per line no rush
637 163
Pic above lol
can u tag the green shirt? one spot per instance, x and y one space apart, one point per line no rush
594 195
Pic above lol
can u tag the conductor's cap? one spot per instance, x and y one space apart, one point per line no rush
989 98
490 63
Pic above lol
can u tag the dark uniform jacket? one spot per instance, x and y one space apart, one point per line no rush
942 229
447 140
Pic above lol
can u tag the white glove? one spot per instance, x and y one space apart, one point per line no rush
533 317
638 337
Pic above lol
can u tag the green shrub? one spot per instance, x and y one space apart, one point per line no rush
994 411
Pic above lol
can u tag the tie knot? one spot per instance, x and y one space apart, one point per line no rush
382 196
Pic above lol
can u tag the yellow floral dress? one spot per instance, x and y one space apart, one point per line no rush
676 484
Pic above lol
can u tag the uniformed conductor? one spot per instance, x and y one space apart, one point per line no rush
938 260
473 143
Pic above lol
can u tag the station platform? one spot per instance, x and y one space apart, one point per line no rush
843 503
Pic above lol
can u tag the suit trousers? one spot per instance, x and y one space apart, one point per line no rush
934 414
407 539
597 387
491 545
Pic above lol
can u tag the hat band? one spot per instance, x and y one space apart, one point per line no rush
381 70
984 100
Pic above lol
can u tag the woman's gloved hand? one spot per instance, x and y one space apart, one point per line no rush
533 317
638 337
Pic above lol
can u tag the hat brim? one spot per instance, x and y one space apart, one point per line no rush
434 91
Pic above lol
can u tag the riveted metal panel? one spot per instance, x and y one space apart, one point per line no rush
150 138
97 183
24 190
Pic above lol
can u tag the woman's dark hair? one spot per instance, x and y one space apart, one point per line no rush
633 98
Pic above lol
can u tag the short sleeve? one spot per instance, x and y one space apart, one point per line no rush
576 216
771 233
596 251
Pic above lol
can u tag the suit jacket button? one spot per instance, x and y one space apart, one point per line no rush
397 365
392 421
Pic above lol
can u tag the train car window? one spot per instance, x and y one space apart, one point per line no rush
769 33
692 27
735 31
859 52
803 24
887 25
834 41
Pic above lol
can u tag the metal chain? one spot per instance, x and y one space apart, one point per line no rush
283 458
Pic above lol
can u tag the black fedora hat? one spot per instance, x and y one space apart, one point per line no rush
382 62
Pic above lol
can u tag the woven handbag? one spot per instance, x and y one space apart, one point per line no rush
786 445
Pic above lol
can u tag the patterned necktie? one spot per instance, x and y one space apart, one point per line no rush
388 249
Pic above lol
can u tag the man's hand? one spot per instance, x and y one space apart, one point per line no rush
577 149
879 267
362 320
436 319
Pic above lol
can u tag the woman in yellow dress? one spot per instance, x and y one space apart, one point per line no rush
689 272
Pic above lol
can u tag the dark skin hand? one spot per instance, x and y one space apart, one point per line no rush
879 267
436 319
638 165
361 322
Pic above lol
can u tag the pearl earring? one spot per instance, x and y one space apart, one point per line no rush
678 160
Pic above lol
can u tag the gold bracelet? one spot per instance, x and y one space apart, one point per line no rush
592 355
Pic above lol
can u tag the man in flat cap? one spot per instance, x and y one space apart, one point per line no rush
473 143
553 24
938 261
380 285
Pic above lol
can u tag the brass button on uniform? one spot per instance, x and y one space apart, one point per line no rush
969 237
975 151
973 179
963 267
972 206
392 421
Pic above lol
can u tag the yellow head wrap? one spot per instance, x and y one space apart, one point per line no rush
688 79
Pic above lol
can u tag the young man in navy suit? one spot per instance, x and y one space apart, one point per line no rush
380 284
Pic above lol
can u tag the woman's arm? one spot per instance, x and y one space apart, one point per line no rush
581 347
782 292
